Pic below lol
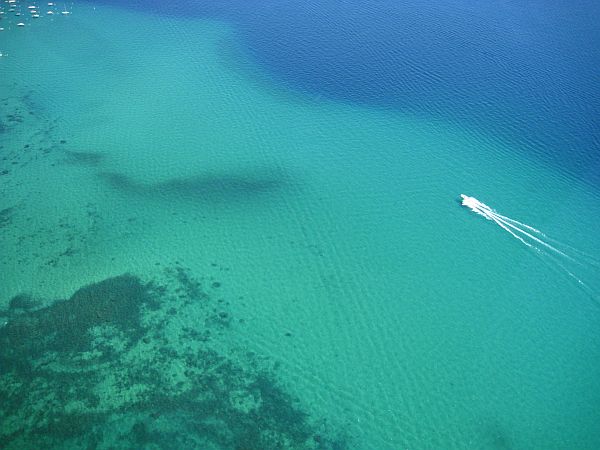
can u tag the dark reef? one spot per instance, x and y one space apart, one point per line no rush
113 366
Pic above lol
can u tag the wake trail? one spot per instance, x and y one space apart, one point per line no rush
589 259
537 240
516 222
511 232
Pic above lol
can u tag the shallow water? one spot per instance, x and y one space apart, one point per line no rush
217 234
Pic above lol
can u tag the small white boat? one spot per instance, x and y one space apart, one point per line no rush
476 206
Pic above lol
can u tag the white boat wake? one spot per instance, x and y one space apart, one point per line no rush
535 239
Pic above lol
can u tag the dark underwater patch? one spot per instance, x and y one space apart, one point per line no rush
22 302
208 187
112 366
22 116
92 159
121 182
65 326
6 216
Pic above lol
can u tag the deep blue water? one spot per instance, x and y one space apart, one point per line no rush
521 71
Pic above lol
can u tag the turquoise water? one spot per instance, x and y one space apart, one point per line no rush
198 254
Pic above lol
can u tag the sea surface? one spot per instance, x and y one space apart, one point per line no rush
238 225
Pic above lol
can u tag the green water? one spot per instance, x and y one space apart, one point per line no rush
341 256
